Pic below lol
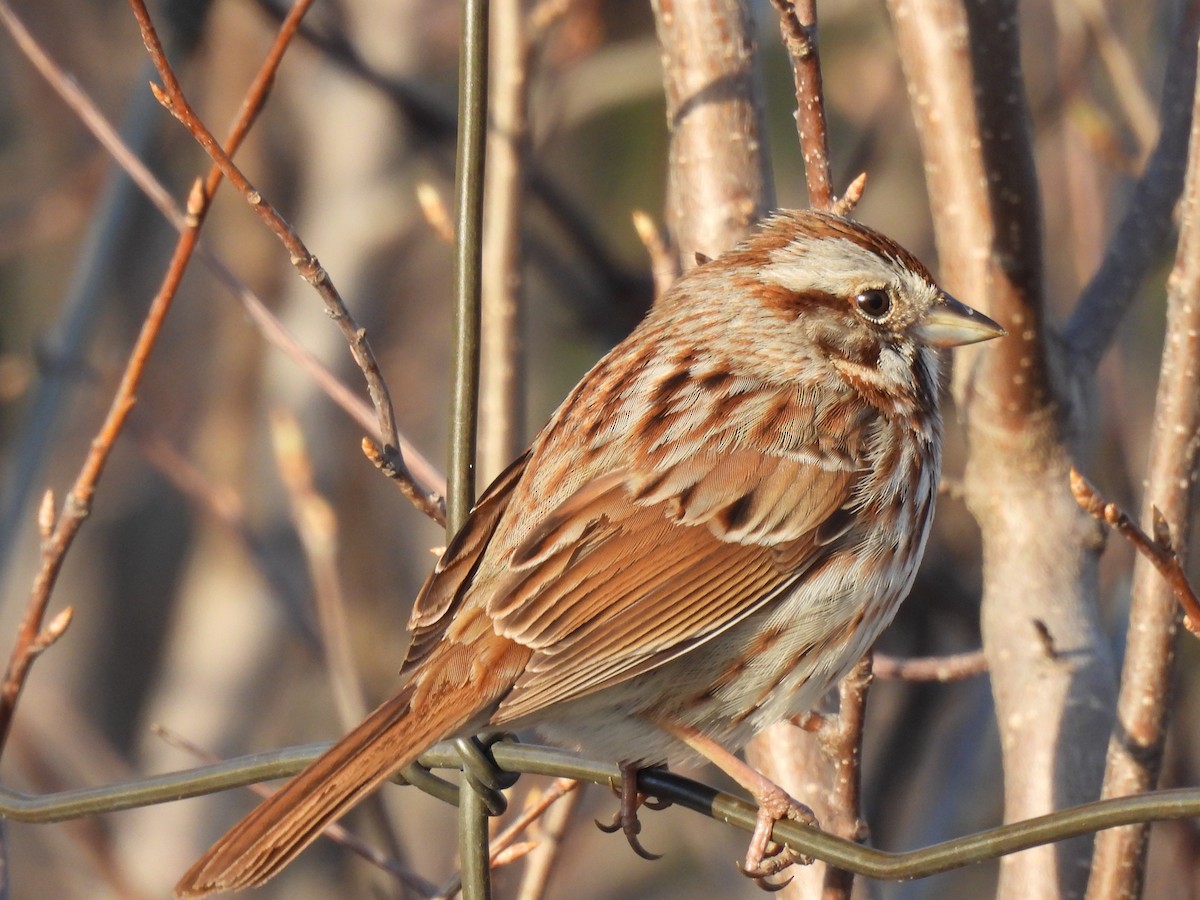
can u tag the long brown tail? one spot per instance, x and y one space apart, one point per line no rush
290 819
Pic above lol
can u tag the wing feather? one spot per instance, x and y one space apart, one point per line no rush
444 589
636 582
635 558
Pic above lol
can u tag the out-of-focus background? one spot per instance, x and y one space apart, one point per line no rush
183 620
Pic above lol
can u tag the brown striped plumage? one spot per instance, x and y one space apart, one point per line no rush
713 527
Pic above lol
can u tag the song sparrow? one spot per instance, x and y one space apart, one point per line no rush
711 530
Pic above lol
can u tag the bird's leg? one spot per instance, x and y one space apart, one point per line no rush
632 799
764 857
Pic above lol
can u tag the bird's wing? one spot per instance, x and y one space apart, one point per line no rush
634 569
443 591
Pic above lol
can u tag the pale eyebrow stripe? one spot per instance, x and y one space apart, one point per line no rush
819 264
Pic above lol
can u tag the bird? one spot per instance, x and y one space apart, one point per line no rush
709 532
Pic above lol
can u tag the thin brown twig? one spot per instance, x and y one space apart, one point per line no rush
951 667
840 737
335 832
78 503
171 96
432 503
798 25
1158 549
429 481
781 753
30 636
537 805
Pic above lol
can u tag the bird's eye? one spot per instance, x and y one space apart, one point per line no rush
874 304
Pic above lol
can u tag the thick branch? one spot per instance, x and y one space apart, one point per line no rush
502 389
718 180
1051 669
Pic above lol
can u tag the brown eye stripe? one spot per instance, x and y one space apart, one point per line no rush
791 303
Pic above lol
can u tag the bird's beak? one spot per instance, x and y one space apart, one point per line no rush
949 323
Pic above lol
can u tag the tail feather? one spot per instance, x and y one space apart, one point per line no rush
292 818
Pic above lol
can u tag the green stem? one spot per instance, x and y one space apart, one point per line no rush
472 142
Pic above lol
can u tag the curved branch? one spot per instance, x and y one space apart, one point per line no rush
537 760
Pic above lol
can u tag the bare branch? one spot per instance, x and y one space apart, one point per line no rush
954 667
1136 747
172 98
798 25
1159 551
1137 243
718 177
962 62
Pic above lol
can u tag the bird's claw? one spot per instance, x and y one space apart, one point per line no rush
626 818
631 828
775 861
766 858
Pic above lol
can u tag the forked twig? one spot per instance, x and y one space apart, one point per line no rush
171 96
58 531
1158 549
392 465
429 481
